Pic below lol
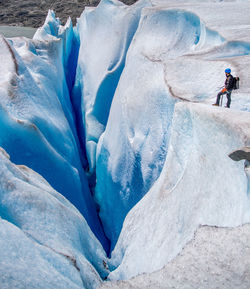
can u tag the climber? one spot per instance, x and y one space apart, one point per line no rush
229 86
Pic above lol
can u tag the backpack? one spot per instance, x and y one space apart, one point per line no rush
236 82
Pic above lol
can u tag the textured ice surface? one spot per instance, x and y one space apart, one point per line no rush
171 58
199 185
37 121
105 34
45 241
140 124
215 258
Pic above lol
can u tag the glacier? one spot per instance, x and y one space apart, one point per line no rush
113 161
136 157
45 241
178 205
37 120
206 261
100 65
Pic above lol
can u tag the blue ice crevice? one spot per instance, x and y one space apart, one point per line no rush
37 119
132 150
231 49
97 103
52 242
105 34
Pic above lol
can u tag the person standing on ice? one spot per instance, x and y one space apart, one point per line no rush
229 85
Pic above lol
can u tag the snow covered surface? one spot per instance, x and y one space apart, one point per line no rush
128 124
229 17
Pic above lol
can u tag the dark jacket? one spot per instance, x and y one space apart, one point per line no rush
229 83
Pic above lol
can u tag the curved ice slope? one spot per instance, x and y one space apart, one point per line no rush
30 271
37 121
230 49
132 150
45 241
105 34
199 185
174 33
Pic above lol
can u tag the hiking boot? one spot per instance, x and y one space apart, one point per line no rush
215 104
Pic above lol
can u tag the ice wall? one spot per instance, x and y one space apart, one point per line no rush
105 34
157 158
199 185
37 121
132 150
45 242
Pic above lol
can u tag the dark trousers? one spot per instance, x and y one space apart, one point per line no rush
228 93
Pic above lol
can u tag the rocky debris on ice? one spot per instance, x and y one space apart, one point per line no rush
240 154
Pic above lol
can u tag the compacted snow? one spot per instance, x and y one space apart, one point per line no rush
113 161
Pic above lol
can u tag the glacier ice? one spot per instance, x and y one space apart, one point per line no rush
105 34
116 115
132 150
25 264
199 185
37 119
45 241
207 261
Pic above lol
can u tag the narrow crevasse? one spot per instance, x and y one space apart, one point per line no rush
37 119
199 185
107 113
105 34
45 241
71 45
132 151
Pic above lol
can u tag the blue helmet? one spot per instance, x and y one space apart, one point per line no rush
228 70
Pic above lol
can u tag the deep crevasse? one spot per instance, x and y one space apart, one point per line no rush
172 58
38 130
105 34
124 100
37 119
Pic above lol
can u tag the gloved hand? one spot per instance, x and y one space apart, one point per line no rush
224 90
